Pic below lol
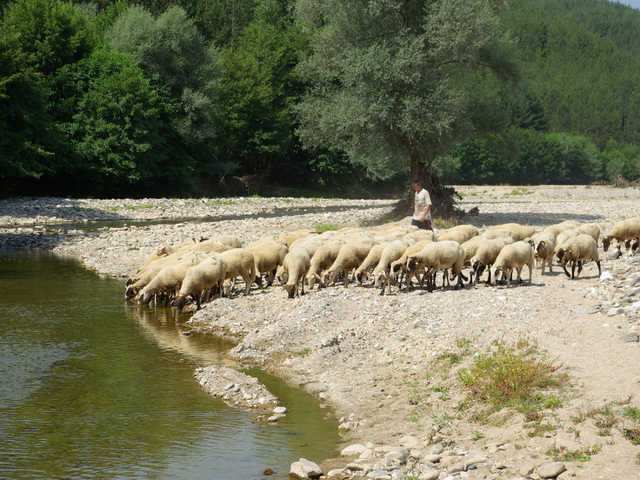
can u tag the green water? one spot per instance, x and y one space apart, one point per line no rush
90 388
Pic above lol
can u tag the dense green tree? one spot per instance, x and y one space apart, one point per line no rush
171 52
258 90
387 77
24 121
52 32
221 21
114 132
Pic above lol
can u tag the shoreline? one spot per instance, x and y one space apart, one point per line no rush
369 356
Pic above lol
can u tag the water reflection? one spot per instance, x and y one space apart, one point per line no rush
91 389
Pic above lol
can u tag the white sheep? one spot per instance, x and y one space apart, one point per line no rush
369 263
498 232
563 237
514 256
520 232
399 267
577 250
589 229
485 256
310 243
382 273
622 231
460 234
268 255
558 228
447 254
296 265
350 257
321 260
229 240
168 280
421 234
206 275
470 248
544 244
240 262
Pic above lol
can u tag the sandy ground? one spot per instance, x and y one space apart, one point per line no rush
378 361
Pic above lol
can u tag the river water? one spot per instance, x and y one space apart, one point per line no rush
91 388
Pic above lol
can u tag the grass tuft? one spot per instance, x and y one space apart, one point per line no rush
511 375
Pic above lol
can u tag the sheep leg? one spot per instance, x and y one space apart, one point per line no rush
564 267
579 267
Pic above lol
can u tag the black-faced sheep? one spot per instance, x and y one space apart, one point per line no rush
296 266
445 255
486 255
624 231
206 275
577 250
399 267
544 244
514 256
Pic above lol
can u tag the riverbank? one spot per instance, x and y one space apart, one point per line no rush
377 360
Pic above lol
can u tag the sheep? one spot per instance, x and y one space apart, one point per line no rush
350 257
470 248
268 255
229 240
589 229
420 235
520 232
623 231
447 254
143 277
369 263
310 243
289 238
486 255
392 252
497 233
206 275
544 244
321 260
296 265
514 256
167 280
399 267
563 237
577 250
558 228
240 262
458 234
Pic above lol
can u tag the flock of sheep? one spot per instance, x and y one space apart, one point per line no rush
387 256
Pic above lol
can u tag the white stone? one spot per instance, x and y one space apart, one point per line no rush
352 450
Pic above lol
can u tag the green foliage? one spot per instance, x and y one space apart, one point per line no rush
387 77
511 374
114 131
52 32
171 52
24 122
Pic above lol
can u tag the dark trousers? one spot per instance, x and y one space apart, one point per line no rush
426 225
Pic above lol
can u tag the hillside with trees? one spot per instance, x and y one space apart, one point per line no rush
322 97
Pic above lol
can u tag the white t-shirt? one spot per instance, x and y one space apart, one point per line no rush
421 201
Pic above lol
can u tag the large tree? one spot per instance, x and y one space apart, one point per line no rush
391 79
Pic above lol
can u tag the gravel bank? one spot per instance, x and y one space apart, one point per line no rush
374 358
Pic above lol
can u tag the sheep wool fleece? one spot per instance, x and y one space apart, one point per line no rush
421 201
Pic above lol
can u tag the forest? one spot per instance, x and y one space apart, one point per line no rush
349 98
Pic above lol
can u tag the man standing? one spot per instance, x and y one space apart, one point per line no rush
422 213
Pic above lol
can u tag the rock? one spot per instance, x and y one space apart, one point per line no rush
429 474
379 475
305 469
457 467
630 337
432 458
607 276
280 410
267 471
353 450
551 470
335 473
615 311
